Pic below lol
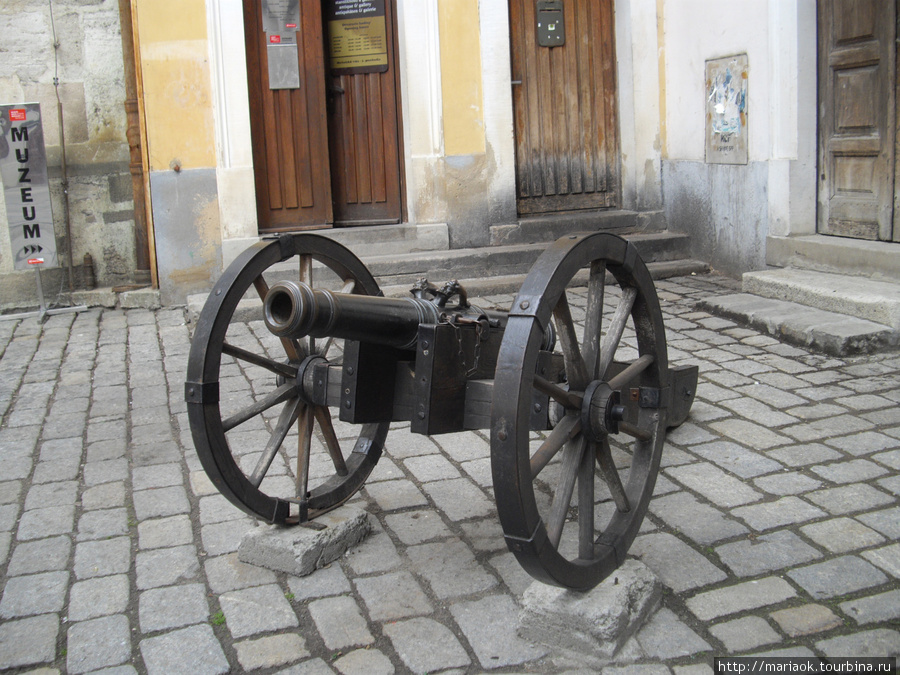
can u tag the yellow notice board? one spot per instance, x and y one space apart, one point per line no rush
357 36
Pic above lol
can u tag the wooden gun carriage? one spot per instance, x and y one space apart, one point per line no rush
290 413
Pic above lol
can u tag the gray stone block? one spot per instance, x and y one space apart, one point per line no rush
598 622
301 550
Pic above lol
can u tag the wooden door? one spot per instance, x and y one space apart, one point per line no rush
857 118
327 153
564 103
364 141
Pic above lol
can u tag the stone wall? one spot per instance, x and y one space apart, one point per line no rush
88 64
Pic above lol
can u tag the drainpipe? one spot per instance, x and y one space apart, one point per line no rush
142 274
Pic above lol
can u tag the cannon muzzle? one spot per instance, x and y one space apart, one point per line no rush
294 310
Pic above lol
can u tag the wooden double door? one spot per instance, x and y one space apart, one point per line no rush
858 119
326 153
564 106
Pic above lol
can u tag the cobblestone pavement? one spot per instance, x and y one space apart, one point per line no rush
774 527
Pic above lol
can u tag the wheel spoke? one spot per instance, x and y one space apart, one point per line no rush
274 366
593 322
634 432
616 328
291 346
304 440
323 417
306 277
280 395
568 341
632 371
611 475
562 498
568 399
567 429
586 506
287 417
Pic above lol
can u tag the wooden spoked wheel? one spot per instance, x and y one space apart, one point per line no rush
266 449
572 499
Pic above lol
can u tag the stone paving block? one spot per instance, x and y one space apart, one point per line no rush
717 486
740 635
840 535
703 523
804 454
98 643
106 471
886 521
172 607
60 493
11 490
667 637
189 650
464 446
166 566
486 624
300 550
102 596
257 610
740 597
864 443
225 537
105 496
40 555
27 642
425 646
450 568
377 554
364 662
511 572
838 576
393 596
45 522
781 512
597 622
876 642
430 468
849 472
880 608
156 476
887 558
459 499
216 509
766 553
227 573
102 524
737 459
340 622
754 435
164 532
676 564
806 619
787 483
828 427
34 594
392 495
850 498
103 557
160 502
270 651
417 527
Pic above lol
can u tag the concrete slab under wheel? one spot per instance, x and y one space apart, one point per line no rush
818 329
302 550
596 623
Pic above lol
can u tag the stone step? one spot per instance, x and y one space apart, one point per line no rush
829 332
550 227
861 297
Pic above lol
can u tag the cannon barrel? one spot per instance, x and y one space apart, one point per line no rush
294 310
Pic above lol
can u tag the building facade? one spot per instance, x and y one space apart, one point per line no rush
448 123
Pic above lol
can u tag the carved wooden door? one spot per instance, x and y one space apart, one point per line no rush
857 118
564 101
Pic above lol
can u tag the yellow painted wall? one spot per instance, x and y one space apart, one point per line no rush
176 83
461 90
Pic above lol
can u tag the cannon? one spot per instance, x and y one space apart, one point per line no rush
290 405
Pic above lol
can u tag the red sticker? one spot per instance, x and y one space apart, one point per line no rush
17 114
35 261
274 39
290 25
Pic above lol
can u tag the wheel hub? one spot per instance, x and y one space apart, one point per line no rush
601 411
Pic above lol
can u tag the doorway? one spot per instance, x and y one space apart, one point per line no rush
564 106
857 119
327 152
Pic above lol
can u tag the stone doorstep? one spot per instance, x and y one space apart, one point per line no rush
302 550
816 329
597 623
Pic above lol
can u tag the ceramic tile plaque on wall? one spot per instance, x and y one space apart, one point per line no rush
726 110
